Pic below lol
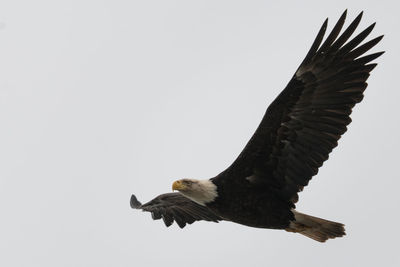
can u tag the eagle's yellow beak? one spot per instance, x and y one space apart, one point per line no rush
177 185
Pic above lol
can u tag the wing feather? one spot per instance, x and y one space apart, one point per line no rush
172 207
304 123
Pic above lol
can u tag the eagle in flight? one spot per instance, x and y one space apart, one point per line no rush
298 131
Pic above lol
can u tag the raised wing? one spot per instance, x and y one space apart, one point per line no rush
175 207
304 123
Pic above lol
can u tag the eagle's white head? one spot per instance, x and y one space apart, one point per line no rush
200 191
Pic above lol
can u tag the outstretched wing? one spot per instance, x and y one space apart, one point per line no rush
175 207
304 123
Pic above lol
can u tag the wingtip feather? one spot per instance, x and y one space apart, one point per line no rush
360 15
135 204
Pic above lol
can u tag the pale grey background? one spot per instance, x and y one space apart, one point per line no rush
101 99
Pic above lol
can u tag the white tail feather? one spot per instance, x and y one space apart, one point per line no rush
315 228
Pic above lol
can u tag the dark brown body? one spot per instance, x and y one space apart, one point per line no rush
255 206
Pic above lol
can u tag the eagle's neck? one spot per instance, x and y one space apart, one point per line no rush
202 192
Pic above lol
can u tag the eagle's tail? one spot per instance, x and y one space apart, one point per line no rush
315 228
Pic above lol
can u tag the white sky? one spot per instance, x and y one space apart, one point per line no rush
101 99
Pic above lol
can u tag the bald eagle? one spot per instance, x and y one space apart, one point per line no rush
298 131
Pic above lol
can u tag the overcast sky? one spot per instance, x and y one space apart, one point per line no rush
101 99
